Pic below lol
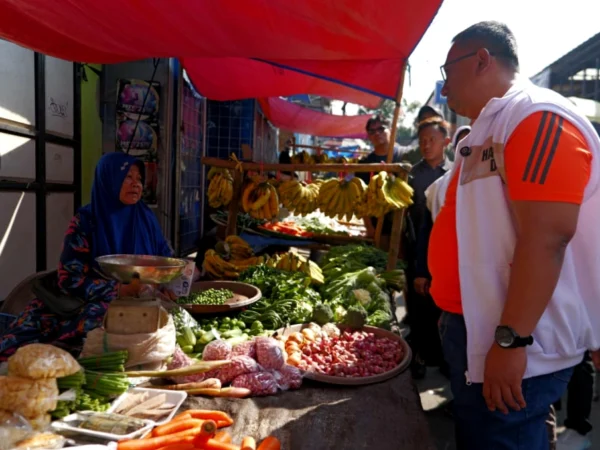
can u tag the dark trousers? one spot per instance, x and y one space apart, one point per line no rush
580 393
424 337
479 429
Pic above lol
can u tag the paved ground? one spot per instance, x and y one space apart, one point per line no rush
435 394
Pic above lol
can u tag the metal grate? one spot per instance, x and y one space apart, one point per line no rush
228 126
191 179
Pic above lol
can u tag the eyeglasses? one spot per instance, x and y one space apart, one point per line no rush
454 61
373 131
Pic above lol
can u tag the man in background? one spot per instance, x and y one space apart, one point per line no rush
378 131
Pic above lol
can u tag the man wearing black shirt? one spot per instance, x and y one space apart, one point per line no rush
378 131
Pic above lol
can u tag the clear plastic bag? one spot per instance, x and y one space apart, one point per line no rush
247 348
30 398
260 383
288 377
179 361
217 350
37 361
269 353
16 432
240 365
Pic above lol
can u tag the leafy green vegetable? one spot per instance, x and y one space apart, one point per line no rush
381 319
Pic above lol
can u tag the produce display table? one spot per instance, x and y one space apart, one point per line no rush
382 416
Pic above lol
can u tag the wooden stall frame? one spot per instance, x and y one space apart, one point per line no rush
240 167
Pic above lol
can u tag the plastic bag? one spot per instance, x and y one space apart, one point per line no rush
240 365
30 398
288 377
247 348
38 361
269 353
179 361
182 285
16 432
217 350
147 351
260 383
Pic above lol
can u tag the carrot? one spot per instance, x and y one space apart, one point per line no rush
206 414
183 437
223 424
248 443
209 428
182 416
270 443
176 427
215 445
178 447
223 436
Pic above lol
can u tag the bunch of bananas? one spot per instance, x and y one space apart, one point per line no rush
219 268
293 262
237 248
386 193
321 159
220 188
340 197
299 198
260 200
302 158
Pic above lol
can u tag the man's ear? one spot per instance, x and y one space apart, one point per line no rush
484 60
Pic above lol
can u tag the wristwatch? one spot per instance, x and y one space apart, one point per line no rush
506 337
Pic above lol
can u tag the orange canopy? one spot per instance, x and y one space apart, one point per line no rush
359 44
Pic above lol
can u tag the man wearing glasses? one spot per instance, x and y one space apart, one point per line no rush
513 253
378 130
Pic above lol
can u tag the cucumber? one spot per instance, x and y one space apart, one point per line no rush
198 333
236 332
182 342
189 335
188 349
207 337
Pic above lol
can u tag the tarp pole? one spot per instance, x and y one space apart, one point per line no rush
398 215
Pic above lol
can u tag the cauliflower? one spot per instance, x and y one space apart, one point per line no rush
339 314
362 296
331 330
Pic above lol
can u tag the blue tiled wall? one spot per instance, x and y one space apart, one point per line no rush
228 126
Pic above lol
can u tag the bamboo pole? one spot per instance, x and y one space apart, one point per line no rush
398 217
226 164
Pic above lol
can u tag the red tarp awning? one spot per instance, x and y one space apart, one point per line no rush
298 119
240 78
358 43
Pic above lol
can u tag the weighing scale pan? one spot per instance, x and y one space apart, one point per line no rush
147 269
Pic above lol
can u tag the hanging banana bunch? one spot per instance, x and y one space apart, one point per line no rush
299 198
220 187
341 198
386 193
260 200
302 158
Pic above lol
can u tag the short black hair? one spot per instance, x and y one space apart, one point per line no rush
436 122
494 36
428 109
377 119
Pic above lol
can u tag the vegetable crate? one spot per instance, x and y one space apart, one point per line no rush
5 321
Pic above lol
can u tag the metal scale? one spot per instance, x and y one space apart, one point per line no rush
138 315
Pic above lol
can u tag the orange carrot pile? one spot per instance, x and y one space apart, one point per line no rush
197 429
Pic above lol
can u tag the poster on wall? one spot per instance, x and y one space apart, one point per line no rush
133 115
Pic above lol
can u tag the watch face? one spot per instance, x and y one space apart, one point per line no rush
504 337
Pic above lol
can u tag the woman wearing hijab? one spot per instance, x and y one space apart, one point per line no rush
115 222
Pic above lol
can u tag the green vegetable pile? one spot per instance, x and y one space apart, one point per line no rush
101 380
357 286
207 297
286 297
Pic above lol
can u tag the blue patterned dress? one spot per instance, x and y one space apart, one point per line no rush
77 276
